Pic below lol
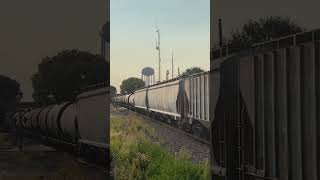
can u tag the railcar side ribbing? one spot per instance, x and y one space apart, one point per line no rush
266 121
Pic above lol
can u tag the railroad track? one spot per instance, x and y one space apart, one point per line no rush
201 140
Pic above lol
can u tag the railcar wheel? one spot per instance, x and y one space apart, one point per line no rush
180 125
79 150
197 130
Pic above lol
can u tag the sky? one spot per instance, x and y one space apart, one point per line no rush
184 29
33 29
235 13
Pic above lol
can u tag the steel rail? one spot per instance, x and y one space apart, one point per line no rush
201 140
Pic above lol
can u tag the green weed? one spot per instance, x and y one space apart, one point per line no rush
136 157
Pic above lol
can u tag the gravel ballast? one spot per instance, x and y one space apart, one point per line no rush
170 138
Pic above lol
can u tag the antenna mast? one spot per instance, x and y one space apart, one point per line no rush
158 49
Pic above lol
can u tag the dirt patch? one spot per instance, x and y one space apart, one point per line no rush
38 161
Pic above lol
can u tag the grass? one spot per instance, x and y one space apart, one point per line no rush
135 156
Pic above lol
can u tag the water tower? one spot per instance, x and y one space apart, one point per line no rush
147 75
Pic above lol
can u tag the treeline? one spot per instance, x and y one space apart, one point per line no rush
131 84
57 79
60 76
10 95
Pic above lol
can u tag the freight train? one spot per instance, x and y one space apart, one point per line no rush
183 102
82 124
264 116
264 109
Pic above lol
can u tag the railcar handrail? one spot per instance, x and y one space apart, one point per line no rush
285 41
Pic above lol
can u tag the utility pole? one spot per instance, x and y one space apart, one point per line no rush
105 38
172 75
158 49
220 32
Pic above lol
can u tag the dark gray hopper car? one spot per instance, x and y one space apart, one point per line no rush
266 121
83 123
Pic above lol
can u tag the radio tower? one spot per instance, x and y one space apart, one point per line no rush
158 49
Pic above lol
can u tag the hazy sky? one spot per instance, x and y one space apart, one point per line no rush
235 13
33 29
184 28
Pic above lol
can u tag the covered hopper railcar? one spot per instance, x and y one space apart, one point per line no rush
184 102
266 120
82 124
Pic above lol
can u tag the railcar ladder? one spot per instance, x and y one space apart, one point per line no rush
222 144
238 146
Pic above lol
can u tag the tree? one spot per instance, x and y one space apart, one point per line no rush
58 77
263 29
131 84
113 90
190 71
10 95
